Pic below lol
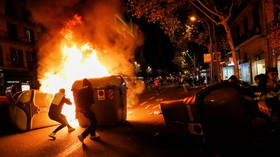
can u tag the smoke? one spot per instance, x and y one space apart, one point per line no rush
102 26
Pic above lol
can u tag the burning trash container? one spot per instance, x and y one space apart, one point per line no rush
29 109
109 96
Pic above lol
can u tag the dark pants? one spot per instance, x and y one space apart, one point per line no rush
59 118
91 129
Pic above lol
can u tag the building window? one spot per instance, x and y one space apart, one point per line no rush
276 14
29 36
16 57
256 16
1 56
245 25
31 59
9 8
236 33
12 31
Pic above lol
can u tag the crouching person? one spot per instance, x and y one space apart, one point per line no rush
55 112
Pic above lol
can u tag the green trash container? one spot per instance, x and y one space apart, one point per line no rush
109 95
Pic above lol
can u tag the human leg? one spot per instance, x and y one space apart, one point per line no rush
64 121
91 129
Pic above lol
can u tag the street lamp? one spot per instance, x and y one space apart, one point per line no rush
193 18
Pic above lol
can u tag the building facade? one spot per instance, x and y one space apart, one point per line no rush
251 29
18 37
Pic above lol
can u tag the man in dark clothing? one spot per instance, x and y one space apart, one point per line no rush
84 101
55 112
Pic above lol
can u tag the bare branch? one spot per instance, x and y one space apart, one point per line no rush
230 10
205 7
209 17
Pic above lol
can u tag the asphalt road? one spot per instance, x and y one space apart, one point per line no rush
144 135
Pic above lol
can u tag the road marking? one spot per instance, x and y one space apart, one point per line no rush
129 112
147 106
143 103
70 149
156 106
151 98
160 99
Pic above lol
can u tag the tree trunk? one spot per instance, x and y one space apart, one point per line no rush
231 45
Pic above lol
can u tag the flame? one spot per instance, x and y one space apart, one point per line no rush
78 61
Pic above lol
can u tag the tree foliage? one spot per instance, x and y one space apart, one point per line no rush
169 14
172 17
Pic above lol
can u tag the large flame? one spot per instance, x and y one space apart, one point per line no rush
78 61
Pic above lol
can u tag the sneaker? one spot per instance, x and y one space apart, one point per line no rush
94 138
81 138
71 129
52 135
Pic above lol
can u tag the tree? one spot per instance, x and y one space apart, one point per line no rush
168 14
219 18
172 16
180 61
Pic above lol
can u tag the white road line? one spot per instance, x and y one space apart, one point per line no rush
129 112
151 98
156 106
143 103
160 99
147 106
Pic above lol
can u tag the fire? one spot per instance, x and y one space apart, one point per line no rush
78 61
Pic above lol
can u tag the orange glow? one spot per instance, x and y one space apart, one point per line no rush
193 18
78 61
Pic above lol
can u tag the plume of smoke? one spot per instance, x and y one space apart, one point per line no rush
103 26
117 41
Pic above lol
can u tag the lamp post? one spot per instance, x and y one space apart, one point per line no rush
211 45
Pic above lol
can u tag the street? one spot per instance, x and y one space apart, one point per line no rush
144 135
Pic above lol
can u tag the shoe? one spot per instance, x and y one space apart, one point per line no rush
52 135
94 138
71 129
81 138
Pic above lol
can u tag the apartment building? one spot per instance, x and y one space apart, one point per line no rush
18 37
251 25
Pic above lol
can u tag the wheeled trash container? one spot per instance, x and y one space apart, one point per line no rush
29 110
108 100
182 115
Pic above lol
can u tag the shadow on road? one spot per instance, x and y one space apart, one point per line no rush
6 127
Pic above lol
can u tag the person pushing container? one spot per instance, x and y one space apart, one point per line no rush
84 101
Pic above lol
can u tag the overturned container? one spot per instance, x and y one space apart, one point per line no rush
29 109
182 115
108 100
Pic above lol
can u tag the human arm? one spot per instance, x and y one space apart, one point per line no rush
67 101
268 95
